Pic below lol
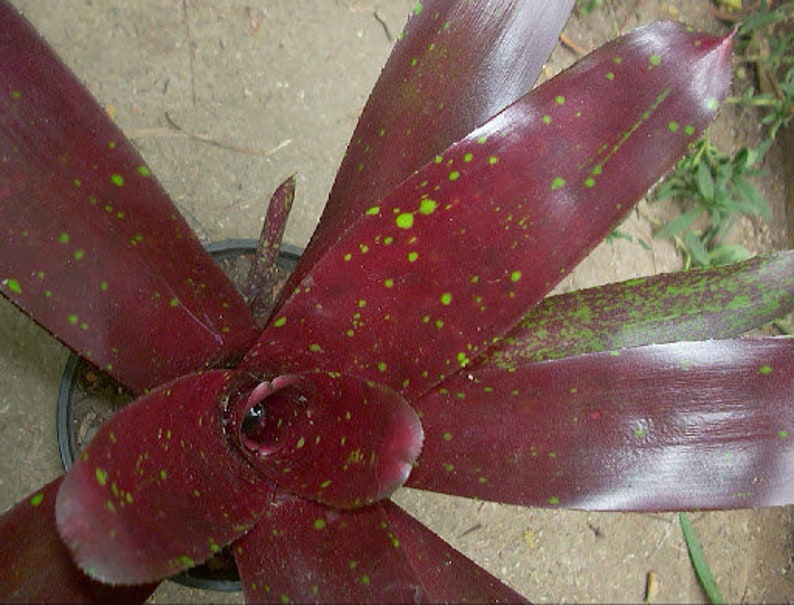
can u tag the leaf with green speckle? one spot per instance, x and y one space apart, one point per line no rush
118 228
722 302
487 222
28 538
379 553
614 423
162 455
362 436
439 83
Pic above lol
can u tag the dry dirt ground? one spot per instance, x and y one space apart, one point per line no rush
278 84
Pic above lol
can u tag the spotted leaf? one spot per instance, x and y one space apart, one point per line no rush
303 552
722 302
689 425
333 438
36 566
160 488
456 64
428 277
90 244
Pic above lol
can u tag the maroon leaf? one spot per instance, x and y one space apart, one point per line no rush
160 487
90 245
303 552
427 278
456 65
662 427
446 574
35 565
721 302
334 438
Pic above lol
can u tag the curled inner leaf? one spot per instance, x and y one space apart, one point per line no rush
334 438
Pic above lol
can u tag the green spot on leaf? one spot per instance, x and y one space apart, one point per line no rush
374 211
559 100
447 436
36 500
673 126
782 434
515 276
405 220
144 171
765 370
655 60
454 175
553 500
14 286
101 476
446 298
63 238
412 257
319 524
427 206
280 322
418 7
72 319
117 180
557 183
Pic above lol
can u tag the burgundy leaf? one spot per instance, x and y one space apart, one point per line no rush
333 438
160 488
35 565
692 425
722 302
456 65
303 552
90 245
427 278
446 574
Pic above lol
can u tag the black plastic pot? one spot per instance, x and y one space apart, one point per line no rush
87 397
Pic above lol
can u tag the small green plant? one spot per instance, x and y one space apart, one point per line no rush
765 44
714 189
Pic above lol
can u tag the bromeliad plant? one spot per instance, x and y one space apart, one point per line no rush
412 345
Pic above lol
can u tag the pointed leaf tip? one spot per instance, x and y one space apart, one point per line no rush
330 437
487 228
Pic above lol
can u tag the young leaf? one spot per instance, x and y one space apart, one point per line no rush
90 245
160 487
722 302
259 286
36 566
679 426
426 279
441 81
333 438
301 551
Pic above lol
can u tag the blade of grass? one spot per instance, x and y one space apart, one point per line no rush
702 569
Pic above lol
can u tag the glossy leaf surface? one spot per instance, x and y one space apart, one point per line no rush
36 566
427 278
160 488
691 425
90 244
333 438
303 552
456 65
722 302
